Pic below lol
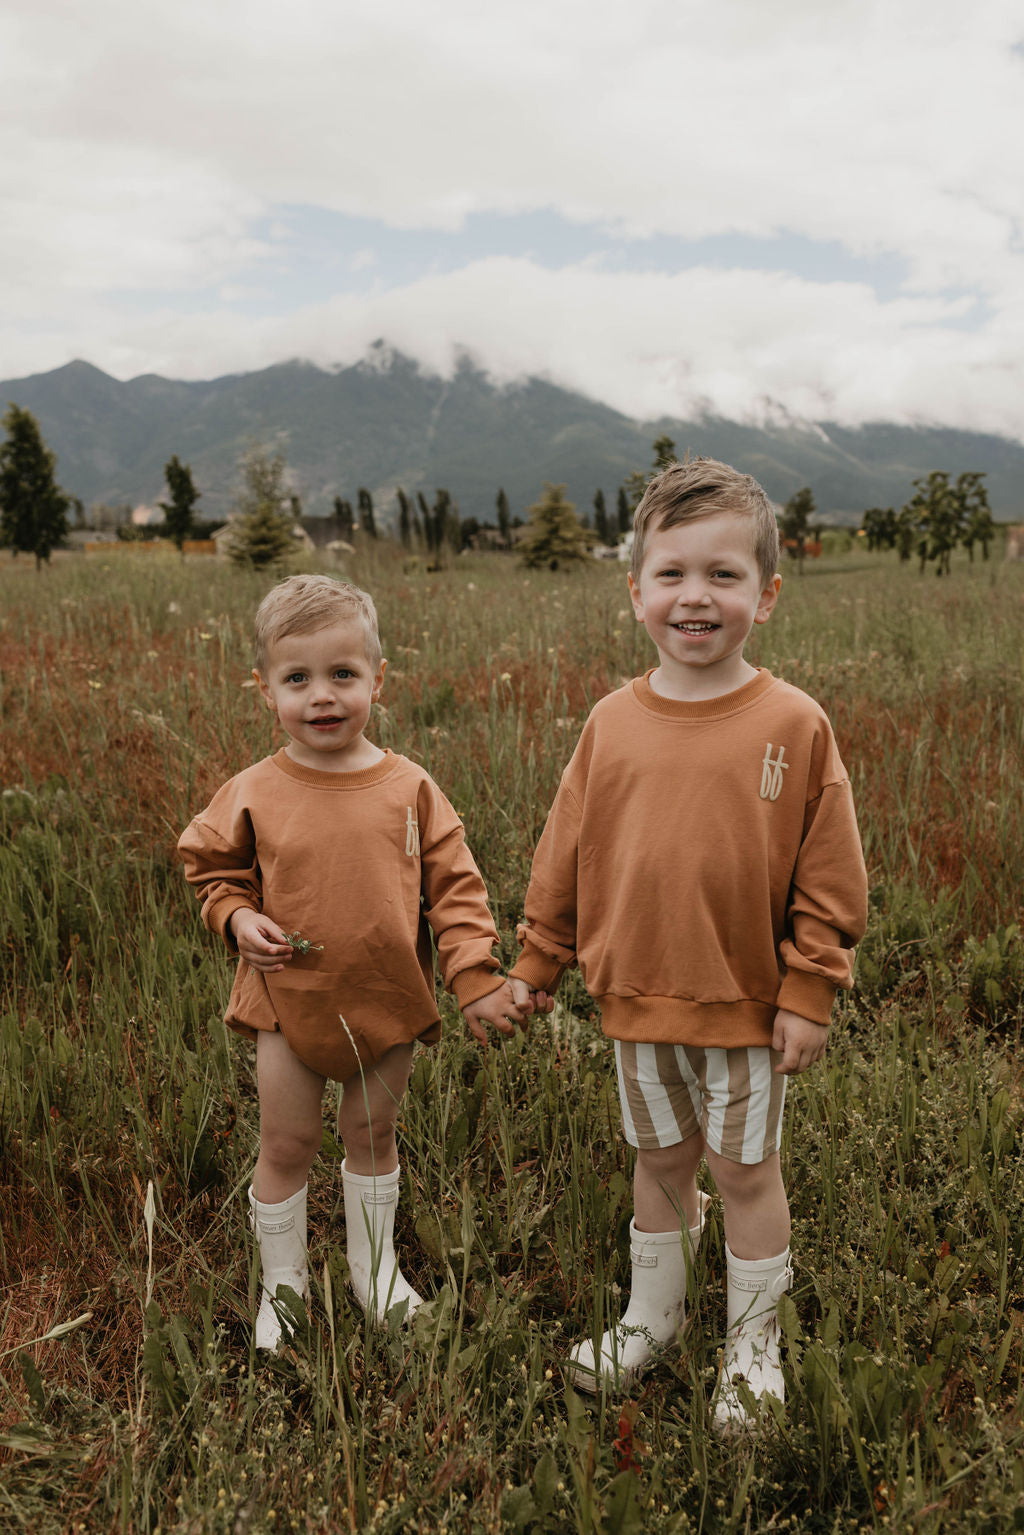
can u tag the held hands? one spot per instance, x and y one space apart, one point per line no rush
511 1003
259 940
497 1008
528 1001
801 1042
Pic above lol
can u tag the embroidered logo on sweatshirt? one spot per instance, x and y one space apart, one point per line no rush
412 833
771 773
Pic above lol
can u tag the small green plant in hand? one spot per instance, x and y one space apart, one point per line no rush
302 945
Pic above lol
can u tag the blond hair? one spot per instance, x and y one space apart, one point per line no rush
301 604
703 487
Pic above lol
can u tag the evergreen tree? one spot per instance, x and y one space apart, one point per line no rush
179 517
33 508
555 535
795 523
263 520
664 453
504 518
600 517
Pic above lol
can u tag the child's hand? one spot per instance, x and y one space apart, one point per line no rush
527 1001
801 1042
260 941
497 1008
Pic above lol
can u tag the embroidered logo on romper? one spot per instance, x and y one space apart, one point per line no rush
412 833
771 773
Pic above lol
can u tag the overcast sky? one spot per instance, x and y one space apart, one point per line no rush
747 206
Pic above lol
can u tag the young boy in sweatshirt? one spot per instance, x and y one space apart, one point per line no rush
321 867
701 864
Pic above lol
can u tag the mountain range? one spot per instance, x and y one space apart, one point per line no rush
384 422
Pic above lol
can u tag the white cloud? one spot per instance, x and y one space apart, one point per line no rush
738 343
146 146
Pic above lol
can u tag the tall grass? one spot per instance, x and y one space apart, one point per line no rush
128 1120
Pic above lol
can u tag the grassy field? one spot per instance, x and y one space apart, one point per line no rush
129 1397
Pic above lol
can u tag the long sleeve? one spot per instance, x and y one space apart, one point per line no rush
827 911
548 932
455 900
219 852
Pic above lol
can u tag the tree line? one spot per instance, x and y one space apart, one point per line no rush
940 515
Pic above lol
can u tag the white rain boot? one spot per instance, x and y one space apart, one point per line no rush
754 1287
378 1282
656 1310
280 1232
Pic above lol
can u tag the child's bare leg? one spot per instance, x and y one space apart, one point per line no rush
369 1113
755 1206
291 1119
665 1185
291 1127
758 1272
370 1178
665 1231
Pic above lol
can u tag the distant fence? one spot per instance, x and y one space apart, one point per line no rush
149 546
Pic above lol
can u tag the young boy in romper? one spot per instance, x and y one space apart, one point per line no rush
701 863
352 851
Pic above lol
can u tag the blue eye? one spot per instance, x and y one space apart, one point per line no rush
296 677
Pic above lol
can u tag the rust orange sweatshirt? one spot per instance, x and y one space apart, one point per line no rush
364 864
701 863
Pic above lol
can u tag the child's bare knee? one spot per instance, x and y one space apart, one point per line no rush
681 1158
290 1146
743 1179
373 1137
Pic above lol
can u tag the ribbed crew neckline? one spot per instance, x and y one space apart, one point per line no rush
316 779
706 708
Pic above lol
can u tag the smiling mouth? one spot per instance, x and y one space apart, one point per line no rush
695 628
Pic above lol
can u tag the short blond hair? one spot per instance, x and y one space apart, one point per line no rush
703 487
301 604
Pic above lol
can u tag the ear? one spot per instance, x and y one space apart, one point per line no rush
635 599
767 600
378 682
268 697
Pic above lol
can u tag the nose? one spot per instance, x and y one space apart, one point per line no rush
323 690
692 593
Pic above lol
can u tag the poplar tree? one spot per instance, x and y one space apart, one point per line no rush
346 519
404 518
504 518
179 516
600 517
367 521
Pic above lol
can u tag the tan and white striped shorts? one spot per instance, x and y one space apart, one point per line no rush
734 1097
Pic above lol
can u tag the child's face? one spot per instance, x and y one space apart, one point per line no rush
321 687
699 594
